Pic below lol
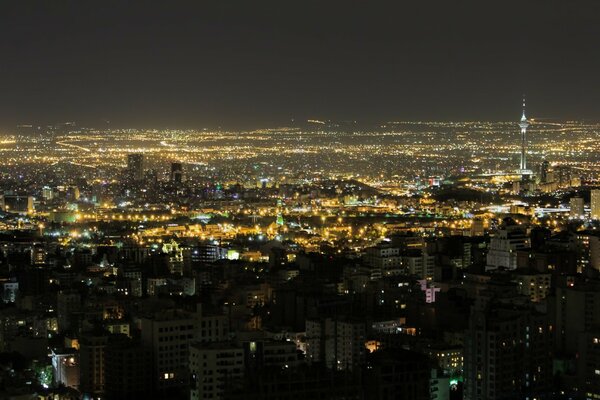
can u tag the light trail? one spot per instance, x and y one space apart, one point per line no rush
73 146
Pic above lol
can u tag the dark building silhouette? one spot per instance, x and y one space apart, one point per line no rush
135 166
176 173
128 370
508 352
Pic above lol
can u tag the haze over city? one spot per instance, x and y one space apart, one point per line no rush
248 65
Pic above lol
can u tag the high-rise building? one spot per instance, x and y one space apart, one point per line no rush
577 336
91 363
577 310
594 245
47 193
588 364
576 205
533 284
503 247
398 374
419 263
170 333
449 358
595 204
135 166
508 353
544 168
477 227
38 255
384 257
128 371
213 368
562 174
67 305
176 172
340 344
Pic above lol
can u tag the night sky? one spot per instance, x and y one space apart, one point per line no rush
245 64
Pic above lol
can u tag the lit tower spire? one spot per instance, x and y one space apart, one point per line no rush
523 125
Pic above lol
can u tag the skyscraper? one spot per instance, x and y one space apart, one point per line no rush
576 205
91 361
211 375
508 352
509 239
176 172
595 204
544 171
576 334
135 166
337 343
524 125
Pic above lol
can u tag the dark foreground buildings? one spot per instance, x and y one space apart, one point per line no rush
180 304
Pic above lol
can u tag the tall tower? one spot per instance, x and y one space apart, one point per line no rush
523 124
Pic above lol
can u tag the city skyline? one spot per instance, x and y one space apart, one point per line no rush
329 200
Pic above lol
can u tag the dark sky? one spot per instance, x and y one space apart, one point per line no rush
250 63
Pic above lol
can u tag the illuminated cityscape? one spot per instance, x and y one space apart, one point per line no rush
372 254
115 232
